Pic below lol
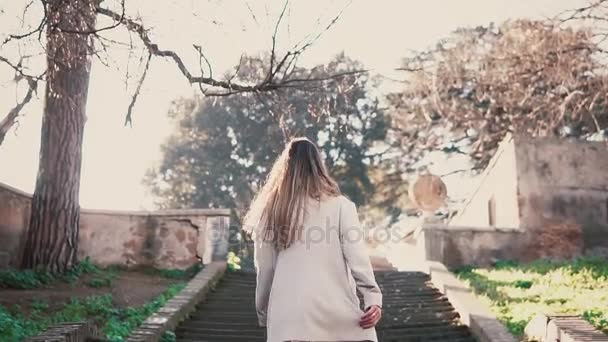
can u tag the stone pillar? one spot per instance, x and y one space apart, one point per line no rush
215 239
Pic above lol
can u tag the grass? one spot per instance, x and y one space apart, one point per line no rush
115 323
32 279
516 292
99 277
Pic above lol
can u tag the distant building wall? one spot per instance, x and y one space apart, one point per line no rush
564 182
164 239
494 203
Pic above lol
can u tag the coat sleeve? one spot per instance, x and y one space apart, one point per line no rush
356 256
265 256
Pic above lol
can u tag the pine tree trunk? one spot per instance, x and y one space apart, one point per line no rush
52 238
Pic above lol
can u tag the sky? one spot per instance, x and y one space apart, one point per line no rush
115 157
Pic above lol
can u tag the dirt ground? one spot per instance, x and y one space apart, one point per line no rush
129 288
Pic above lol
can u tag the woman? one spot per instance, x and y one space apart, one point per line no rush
310 255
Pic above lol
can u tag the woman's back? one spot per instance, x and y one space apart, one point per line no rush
313 291
310 254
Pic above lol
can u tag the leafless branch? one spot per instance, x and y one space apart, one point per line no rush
38 29
255 19
236 71
410 69
154 50
11 118
582 12
202 57
309 42
129 57
228 87
128 117
25 10
475 168
327 78
19 70
274 41
463 85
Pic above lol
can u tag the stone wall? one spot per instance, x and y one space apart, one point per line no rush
496 194
14 216
164 239
564 181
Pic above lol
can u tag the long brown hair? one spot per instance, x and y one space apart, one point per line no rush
297 175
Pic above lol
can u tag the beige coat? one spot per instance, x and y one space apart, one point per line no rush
308 291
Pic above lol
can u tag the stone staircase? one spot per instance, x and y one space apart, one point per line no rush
414 311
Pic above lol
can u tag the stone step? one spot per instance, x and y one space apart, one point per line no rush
187 337
220 325
410 276
245 295
404 338
390 287
413 311
413 302
234 337
260 336
249 311
401 285
440 304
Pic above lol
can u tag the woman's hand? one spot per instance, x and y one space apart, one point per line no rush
371 317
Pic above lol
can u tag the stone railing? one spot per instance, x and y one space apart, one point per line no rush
478 317
180 306
456 246
566 328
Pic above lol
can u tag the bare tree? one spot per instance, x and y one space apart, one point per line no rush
527 77
68 30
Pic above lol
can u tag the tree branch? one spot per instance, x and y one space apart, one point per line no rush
11 118
582 12
118 21
128 120
38 29
269 83
274 42
19 70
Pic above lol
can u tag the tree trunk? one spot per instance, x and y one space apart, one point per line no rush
52 238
